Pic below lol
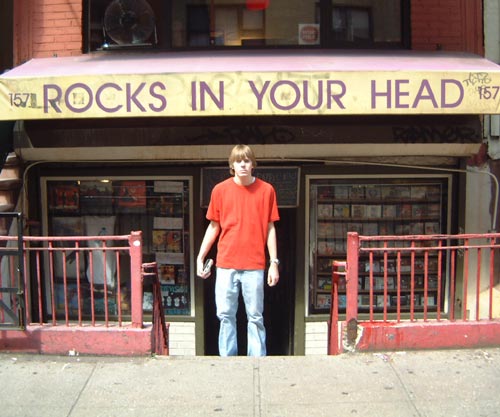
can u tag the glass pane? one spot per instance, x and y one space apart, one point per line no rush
366 22
160 208
372 207
242 22
237 23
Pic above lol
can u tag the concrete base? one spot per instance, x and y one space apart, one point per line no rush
62 340
429 335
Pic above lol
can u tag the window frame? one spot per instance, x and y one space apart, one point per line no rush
326 41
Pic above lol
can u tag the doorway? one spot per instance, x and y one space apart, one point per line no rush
279 307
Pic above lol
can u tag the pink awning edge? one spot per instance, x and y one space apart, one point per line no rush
248 61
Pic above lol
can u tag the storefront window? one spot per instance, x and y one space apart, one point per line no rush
160 208
185 24
371 207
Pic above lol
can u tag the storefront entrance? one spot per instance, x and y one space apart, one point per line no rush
279 300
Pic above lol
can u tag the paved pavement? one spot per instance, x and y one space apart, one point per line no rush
461 383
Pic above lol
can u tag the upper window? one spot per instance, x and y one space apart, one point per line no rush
188 24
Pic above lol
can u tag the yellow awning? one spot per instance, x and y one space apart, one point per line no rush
246 83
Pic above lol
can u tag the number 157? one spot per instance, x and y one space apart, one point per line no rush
22 99
488 93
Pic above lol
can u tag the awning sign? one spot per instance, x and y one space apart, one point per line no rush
250 94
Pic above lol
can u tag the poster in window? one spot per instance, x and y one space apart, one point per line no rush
358 210
341 192
370 229
130 196
74 260
326 248
68 298
325 283
103 266
166 274
386 229
96 197
64 197
432 228
389 211
147 301
174 187
323 301
405 211
169 258
433 192
325 211
373 192
357 192
341 210
418 192
325 265
167 205
175 299
174 241
325 230
168 223
67 226
417 228
159 240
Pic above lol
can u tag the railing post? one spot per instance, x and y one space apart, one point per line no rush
135 247
352 286
333 328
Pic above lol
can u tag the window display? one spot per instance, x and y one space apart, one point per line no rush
170 24
372 207
160 208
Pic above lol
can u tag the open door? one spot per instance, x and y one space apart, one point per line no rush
278 301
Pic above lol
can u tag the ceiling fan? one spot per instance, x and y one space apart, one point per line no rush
129 23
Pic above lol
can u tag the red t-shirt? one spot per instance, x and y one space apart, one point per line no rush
243 213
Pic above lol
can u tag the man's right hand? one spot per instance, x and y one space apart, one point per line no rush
199 269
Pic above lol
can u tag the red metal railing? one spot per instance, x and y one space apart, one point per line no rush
159 333
338 272
416 279
78 280
424 278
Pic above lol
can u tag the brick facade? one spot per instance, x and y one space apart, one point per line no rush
449 25
55 27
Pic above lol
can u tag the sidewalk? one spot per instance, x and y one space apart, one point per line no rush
461 383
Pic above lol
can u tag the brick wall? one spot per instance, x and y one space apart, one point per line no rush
56 28
450 25
181 339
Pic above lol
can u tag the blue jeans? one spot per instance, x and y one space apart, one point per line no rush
227 289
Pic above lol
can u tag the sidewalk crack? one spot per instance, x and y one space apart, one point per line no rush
81 391
257 397
407 393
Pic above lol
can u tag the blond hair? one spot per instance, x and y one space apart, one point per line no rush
239 153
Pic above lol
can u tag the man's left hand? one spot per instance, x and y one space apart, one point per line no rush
273 275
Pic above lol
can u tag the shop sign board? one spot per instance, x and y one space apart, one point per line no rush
285 181
253 93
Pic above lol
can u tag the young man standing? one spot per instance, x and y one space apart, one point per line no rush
242 210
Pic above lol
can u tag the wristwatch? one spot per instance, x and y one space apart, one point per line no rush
275 261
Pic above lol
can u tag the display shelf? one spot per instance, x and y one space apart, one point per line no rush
374 207
159 207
